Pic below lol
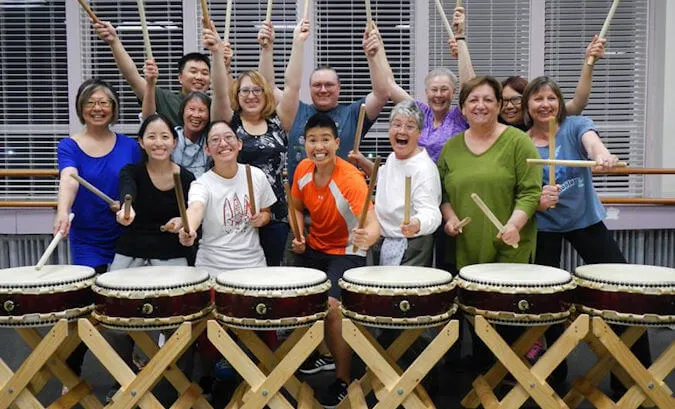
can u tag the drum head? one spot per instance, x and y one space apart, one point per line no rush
514 275
271 278
397 276
628 275
151 278
28 279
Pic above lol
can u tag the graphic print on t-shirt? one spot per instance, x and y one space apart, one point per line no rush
236 215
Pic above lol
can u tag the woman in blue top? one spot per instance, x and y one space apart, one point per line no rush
578 214
97 154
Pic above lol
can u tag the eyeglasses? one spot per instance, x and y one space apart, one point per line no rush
327 85
257 91
396 126
102 104
514 100
218 139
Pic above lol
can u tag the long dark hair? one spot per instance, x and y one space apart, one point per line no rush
147 121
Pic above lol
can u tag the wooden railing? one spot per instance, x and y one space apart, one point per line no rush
605 200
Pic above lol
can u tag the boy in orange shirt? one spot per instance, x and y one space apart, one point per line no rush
333 192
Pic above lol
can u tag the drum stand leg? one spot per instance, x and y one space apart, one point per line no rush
135 389
531 381
18 389
648 385
282 365
394 387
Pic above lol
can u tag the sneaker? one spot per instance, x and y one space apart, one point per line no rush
331 397
537 350
316 363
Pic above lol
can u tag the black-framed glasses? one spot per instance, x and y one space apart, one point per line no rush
515 100
257 91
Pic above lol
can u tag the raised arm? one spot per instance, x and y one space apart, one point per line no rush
266 62
464 65
149 106
287 107
221 106
375 46
125 64
380 74
583 91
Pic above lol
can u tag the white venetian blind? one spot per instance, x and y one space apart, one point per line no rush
247 16
338 43
497 36
618 99
165 24
33 93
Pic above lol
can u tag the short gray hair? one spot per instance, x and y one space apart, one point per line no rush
408 108
441 72
85 92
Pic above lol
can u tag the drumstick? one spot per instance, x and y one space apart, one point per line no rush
93 189
488 213
571 163
88 10
366 204
291 213
446 23
458 3
359 127
52 245
369 15
206 19
551 149
463 222
268 17
605 27
249 182
144 26
228 18
305 11
406 207
180 198
127 206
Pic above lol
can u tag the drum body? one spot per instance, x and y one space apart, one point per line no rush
627 294
35 298
151 297
398 297
516 294
270 298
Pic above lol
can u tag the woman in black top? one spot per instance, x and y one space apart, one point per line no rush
150 184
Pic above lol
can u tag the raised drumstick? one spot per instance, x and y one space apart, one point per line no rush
144 27
571 163
366 204
89 11
93 189
228 18
180 198
127 206
359 127
305 11
249 183
268 17
446 23
406 206
291 213
458 3
52 245
369 16
605 27
206 19
491 216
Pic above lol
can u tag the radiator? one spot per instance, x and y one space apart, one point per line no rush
26 250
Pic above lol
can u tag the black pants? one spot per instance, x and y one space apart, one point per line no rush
595 245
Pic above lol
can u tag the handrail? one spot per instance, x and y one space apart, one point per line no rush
635 171
28 203
638 200
18 173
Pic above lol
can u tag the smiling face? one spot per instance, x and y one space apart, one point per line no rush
321 145
222 144
195 116
195 76
250 96
481 106
542 105
439 92
403 136
325 89
512 109
158 141
98 109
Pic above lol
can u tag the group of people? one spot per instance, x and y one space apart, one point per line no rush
479 147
